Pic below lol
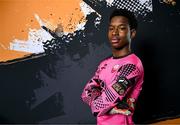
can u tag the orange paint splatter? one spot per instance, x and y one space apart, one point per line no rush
17 16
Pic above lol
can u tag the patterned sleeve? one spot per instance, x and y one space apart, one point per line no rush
116 93
93 88
128 86
126 78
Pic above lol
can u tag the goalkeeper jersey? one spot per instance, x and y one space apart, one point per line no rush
113 91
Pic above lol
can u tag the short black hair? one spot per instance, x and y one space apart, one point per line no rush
128 14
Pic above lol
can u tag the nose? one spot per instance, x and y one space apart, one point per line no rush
115 31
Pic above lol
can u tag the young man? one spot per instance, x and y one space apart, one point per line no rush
113 91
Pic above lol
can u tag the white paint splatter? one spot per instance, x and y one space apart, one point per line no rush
80 26
109 2
86 9
41 23
34 44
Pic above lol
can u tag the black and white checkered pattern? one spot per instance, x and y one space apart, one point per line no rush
98 104
127 69
135 6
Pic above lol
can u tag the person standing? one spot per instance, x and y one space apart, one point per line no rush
114 89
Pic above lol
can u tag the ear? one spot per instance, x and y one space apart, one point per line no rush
133 33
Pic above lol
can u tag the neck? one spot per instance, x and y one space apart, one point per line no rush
121 52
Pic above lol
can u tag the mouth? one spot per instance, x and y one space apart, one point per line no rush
115 40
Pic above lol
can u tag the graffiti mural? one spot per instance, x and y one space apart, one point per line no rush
31 35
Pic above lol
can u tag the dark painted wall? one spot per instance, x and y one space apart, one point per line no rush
159 50
47 89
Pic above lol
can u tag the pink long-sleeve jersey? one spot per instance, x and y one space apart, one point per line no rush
114 89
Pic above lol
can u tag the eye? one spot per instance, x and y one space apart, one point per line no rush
111 28
122 27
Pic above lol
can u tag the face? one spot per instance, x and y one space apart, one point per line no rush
119 32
